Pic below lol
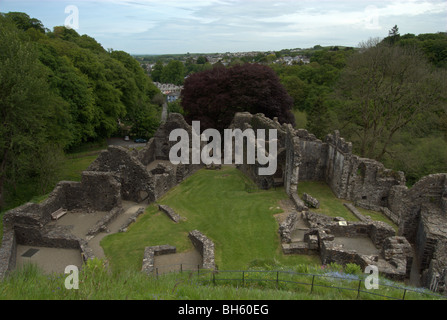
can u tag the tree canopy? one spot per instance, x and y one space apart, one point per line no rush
387 97
58 90
214 96
384 88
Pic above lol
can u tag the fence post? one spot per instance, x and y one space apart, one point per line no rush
277 279
181 268
243 278
156 272
214 278
405 291
358 289
312 288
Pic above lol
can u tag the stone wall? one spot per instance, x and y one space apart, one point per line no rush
408 203
136 182
7 252
394 259
147 154
117 174
161 144
287 226
170 213
149 256
423 221
377 231
363 181
435 276
206 248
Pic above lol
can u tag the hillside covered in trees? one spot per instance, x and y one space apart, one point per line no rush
59 90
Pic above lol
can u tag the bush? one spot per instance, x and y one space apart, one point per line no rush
352 268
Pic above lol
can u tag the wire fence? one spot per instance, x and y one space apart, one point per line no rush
353 286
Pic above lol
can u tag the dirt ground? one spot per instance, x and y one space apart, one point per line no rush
191 260
48 259
55 260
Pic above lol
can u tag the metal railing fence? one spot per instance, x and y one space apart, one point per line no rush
291 280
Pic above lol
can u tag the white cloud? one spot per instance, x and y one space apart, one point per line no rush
162 26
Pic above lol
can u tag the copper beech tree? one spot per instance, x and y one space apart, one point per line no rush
214 96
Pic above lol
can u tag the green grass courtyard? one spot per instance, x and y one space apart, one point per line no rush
241 224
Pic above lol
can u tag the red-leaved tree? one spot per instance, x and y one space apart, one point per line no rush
214 96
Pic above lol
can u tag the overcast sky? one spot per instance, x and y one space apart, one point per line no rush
207 26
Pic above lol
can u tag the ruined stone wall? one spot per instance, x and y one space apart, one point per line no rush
28 224
206 248
423 221
288 152
136 182
244 121
338 164
161 144
292 163
7 252
407 203
313 154
98 191
435 277
147 154
363 181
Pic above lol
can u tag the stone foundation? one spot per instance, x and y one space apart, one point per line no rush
206 248
149 256
204 245
170 213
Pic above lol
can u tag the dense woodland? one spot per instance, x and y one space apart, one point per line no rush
60 90
388 97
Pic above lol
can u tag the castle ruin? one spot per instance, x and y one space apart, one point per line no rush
120 175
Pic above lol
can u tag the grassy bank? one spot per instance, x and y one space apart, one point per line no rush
97 283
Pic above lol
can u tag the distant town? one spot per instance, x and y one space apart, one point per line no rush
285 57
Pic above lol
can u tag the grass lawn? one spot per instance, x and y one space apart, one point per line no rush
241 224
75 165
332 206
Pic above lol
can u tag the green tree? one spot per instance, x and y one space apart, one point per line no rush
157 71
24 21
74 87
384 88
173 72
297 89
31 114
